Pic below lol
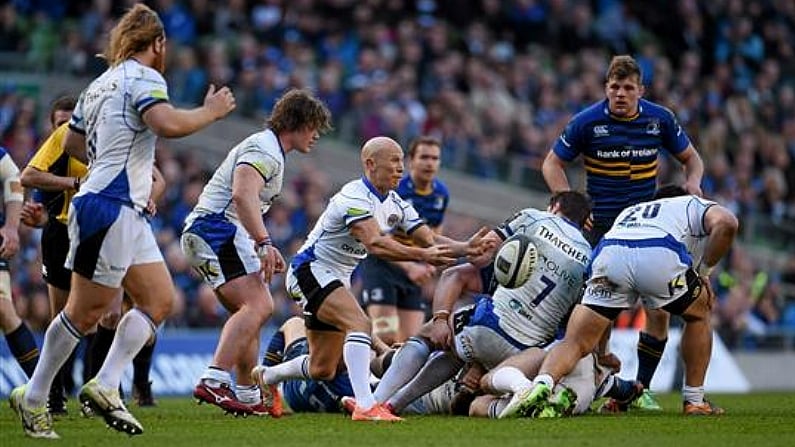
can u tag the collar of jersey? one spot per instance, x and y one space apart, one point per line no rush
620 118
276 137
418 191
570 222
372 189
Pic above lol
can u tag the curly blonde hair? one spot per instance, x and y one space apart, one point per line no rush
135 31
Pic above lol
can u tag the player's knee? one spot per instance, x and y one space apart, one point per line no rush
261 308
85 320
158 310
386 328
110 319
579 345
322 372
485 382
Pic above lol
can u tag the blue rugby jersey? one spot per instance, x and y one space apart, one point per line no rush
620 155
430 205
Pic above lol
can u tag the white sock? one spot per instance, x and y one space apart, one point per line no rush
509 379
405 365
60 340
248 394
693 394
215 376
297 368
134 330
356 352
545 379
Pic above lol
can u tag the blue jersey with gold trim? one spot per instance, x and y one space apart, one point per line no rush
431 204
620 155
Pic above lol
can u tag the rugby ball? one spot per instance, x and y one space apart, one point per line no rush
515 261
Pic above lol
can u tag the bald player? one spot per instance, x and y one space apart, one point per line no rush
359 220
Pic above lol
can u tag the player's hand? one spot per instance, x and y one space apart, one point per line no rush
479 243
281 265
33 214
440 334
706 287
473 372
10 244
220 102
151 208
440 255
490 243
419 272
271 261
693 187
610 361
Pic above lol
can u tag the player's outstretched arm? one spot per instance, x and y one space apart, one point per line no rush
378 244
473 247
168 121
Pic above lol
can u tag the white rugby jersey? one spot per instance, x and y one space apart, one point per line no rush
120 146
330 240
669 221
263 152
532 313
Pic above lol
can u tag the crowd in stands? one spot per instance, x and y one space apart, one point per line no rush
495 80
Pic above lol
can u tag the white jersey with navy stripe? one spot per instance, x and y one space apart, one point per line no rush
263 152
120 146
330 240
678 218
532 313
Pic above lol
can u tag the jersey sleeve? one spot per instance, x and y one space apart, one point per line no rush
674 137
411 219
353 209
517 223
568 146
77 122
258 158
696 211
148 90
50 151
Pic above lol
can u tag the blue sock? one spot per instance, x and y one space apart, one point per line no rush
622 390
275 353
142 364
650 351
23 346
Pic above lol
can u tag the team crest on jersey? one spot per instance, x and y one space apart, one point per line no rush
439 203
601 131
392 220
653 128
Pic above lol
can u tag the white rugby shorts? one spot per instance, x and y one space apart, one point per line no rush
106 238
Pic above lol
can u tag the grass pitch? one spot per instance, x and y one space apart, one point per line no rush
752 420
